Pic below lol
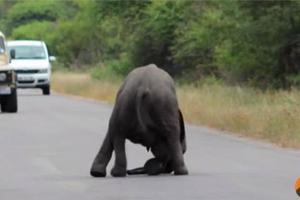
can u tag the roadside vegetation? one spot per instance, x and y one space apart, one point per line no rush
81 84
251 43
272 116
237 63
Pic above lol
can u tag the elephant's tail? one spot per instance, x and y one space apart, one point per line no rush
182 132
141 104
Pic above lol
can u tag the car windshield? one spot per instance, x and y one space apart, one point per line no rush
29 52
2 46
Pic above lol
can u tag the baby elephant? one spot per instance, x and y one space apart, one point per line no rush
146 112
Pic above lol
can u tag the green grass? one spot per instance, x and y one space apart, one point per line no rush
272 116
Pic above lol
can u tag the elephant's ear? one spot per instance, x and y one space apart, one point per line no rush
182 132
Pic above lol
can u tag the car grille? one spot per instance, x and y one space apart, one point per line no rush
30 71
41 80
26 82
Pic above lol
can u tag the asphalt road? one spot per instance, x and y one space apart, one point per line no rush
46 151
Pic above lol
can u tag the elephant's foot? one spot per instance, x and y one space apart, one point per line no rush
98 171
181 170
118 171
168 168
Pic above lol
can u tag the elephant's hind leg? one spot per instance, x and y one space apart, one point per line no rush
98 168
119 169
177 159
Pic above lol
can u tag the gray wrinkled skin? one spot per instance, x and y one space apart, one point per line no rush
146 112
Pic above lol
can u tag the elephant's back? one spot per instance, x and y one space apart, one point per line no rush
145 93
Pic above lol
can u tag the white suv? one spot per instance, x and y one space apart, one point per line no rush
31 61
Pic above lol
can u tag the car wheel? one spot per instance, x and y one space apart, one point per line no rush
10 103
46 90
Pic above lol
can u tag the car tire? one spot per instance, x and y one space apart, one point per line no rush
46 90
9 103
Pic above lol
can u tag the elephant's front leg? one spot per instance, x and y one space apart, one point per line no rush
119 169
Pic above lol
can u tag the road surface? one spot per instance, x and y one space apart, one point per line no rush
46 151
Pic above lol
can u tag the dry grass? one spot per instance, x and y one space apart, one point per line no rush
271 116
81 84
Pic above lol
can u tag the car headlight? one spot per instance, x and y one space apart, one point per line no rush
43 71
3 77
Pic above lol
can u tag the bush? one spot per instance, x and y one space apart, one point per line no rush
36 30
243 42
156 34
113 68
24 12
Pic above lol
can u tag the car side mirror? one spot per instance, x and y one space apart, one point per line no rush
52 58
12 54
